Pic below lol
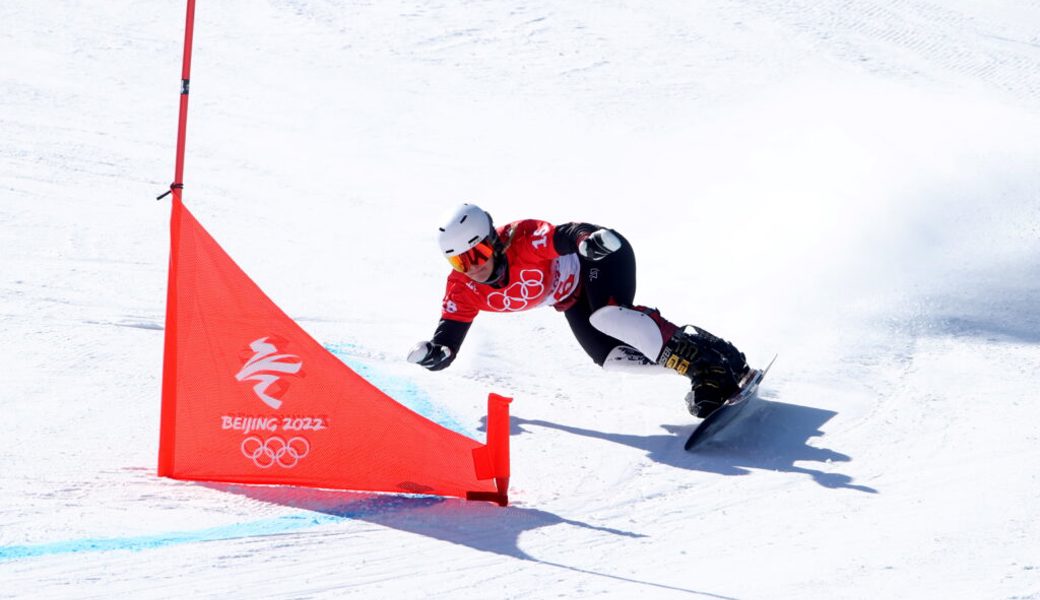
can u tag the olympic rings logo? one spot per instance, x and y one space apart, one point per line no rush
275 451
515 297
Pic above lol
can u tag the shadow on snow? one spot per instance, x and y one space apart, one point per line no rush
477 525
771 436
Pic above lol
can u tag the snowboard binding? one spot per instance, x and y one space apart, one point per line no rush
714 366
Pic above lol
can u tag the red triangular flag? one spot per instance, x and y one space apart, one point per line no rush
250 397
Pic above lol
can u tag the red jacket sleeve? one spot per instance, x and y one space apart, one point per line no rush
459 303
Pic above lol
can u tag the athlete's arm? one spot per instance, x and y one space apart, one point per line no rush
567 236
457 313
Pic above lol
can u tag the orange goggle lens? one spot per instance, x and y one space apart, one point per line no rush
471 259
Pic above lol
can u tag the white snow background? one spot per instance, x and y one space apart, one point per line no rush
852 185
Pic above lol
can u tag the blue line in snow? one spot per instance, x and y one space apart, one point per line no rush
322 513
403 390
150 542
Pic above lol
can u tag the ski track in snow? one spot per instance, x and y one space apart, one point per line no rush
874 164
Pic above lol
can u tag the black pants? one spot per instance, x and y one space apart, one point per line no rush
611 281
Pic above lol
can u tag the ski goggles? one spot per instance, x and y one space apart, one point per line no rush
474 258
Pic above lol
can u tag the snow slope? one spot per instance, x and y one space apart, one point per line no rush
854 185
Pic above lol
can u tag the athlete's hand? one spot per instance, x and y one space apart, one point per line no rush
601 244
432 356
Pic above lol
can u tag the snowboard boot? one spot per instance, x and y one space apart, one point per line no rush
714 366
708 393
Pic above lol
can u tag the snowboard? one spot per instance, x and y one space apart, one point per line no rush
730 409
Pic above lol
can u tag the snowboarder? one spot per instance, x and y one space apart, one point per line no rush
587 272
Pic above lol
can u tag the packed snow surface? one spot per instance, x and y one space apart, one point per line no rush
852 185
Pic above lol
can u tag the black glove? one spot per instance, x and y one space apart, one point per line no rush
432 356
600 244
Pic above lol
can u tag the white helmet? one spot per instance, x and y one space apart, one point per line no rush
470 243
464 228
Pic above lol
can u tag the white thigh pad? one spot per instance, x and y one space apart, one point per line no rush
633 327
